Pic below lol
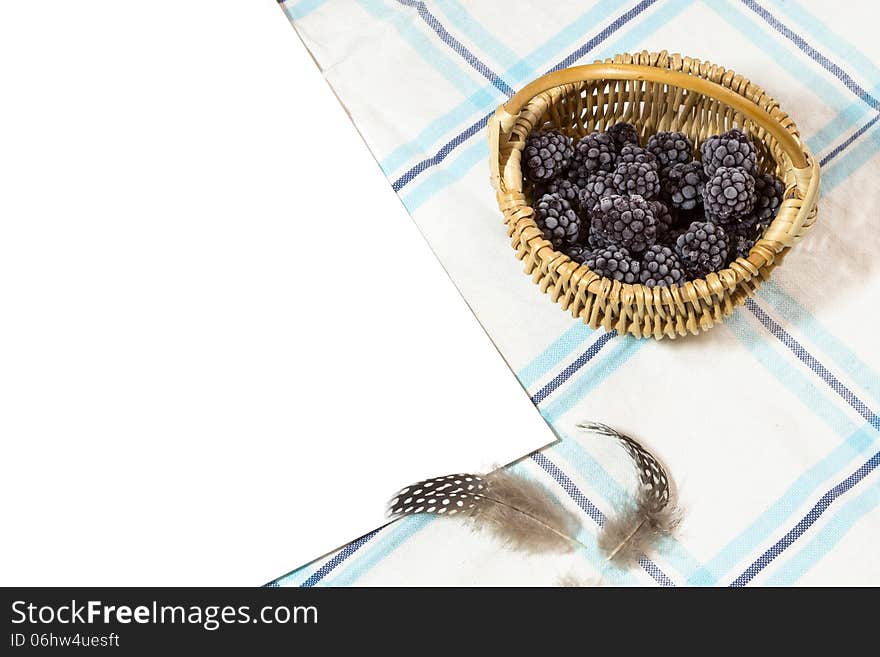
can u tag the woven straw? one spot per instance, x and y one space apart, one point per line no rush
655 92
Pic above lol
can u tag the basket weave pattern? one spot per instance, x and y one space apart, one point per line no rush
655 92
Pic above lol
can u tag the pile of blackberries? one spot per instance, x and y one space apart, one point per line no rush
649 214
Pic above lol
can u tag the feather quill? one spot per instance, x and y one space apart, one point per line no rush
635 531
518 511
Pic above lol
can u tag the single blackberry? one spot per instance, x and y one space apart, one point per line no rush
635 178
578 252
660 266
729 149
546 154
729 194
562 186
598 185
594 152
670 148
627 222
665 218
768 196
622 134
615 263
702 248
557 220
683 185
630 153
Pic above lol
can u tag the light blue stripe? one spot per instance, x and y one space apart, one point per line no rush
523 71
476 33
755 32
794 10
854 159
827 538
844 357
589 469
844 123
561 347
789 375
397 535
444 176
860 443
479 151
410 29
299 10
622 349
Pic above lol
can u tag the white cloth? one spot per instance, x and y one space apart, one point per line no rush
768 423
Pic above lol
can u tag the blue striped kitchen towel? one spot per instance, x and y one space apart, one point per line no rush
769 423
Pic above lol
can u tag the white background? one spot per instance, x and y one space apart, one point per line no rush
223 343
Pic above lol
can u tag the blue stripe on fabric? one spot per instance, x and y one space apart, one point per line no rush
793 379
845 358
398 534
436 57
839 46
458 46
337 559
577 364
561 347
807 521
810 361
476 33
301 9
592 511
861 442
827 538
819 84
453 172
522 71
479 151
621 351
814 54
407 177
848 141
865 151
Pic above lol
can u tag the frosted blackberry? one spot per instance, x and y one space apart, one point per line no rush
670 148
546 154
660 266
557 220
665 218
565 188
615 263
729 149
729 194
622 134
594 152
578 253
635 178
683 185
768 196
598 185
630 153
702 248
627 222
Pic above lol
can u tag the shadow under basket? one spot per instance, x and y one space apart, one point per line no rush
655 92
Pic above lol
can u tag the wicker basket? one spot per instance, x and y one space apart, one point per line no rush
655 92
